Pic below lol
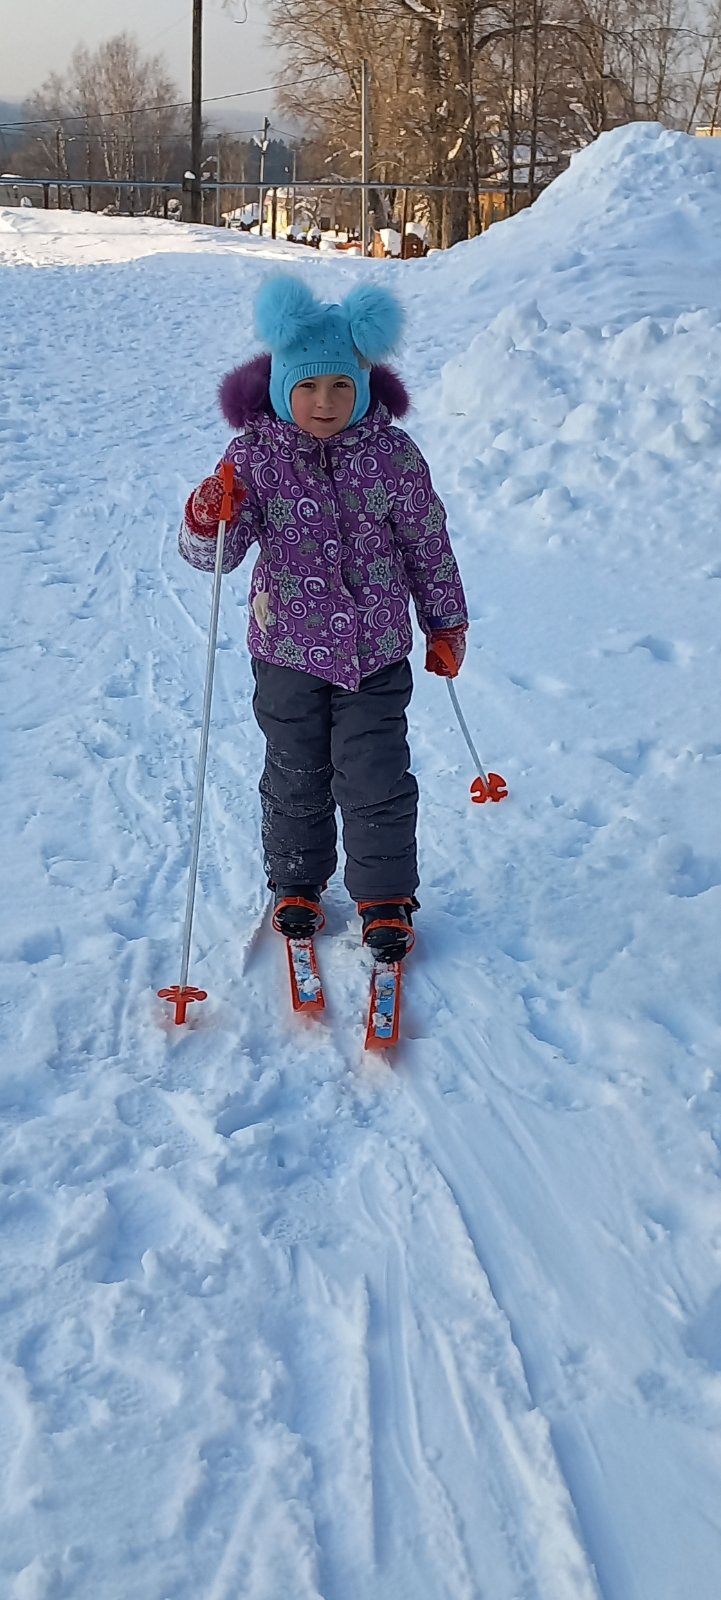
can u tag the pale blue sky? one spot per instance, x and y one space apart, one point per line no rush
39 36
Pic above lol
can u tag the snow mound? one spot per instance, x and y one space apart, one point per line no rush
633 228
565 397
635 169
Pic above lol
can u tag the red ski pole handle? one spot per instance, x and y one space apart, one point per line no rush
443 653
227 478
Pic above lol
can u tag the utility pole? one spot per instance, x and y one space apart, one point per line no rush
205 181
196 112
365 162
218 149
88 166
292 192
263 148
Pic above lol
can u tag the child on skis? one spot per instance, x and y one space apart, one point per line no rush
349 528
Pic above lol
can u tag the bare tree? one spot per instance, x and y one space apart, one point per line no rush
703 78
114 114
464 91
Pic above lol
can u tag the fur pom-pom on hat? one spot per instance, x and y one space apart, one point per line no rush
286 311
307 338
375 318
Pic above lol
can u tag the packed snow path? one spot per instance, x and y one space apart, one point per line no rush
277 1318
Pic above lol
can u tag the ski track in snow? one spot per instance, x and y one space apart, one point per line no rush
276 1316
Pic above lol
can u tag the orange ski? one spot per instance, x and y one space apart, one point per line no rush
384 1007
306 989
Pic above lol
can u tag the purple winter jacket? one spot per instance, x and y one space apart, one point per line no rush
348 528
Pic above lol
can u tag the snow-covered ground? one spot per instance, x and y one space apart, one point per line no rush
277 1318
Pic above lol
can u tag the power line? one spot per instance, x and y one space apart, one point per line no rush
249 133
168 27
171 105
54 121
86 136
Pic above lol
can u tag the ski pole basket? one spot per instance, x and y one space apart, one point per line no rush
181 998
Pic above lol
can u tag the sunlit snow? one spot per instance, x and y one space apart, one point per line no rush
279 1317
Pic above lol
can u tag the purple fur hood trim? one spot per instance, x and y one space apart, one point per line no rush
245 391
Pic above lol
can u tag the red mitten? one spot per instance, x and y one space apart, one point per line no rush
447 661
202 512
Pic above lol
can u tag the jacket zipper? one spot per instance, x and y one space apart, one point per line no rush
334 495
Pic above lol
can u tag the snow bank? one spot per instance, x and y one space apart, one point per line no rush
584 412
77 238
633 228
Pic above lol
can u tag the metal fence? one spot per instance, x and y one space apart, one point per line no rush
63 192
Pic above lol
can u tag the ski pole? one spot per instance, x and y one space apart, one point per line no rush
488 785
179 993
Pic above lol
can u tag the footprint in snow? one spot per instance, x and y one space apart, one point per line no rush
142 1214
664 1396
632 759
40 946
517 947
663 650
119 688
541 683
703 1334
26 1228
547 1021
239 1113
694 875
591 814
304 1212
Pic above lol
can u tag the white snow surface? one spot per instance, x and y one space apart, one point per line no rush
278 1317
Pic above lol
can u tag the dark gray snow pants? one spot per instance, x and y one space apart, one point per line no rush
329 747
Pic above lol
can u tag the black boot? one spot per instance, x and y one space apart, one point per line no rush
387 927
297 911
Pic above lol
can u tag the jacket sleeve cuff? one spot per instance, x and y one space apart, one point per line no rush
444 624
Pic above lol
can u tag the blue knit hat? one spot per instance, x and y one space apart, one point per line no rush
307 339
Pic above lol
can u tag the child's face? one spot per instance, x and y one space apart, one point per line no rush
323 406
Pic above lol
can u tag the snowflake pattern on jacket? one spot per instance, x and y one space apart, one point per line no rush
348 529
